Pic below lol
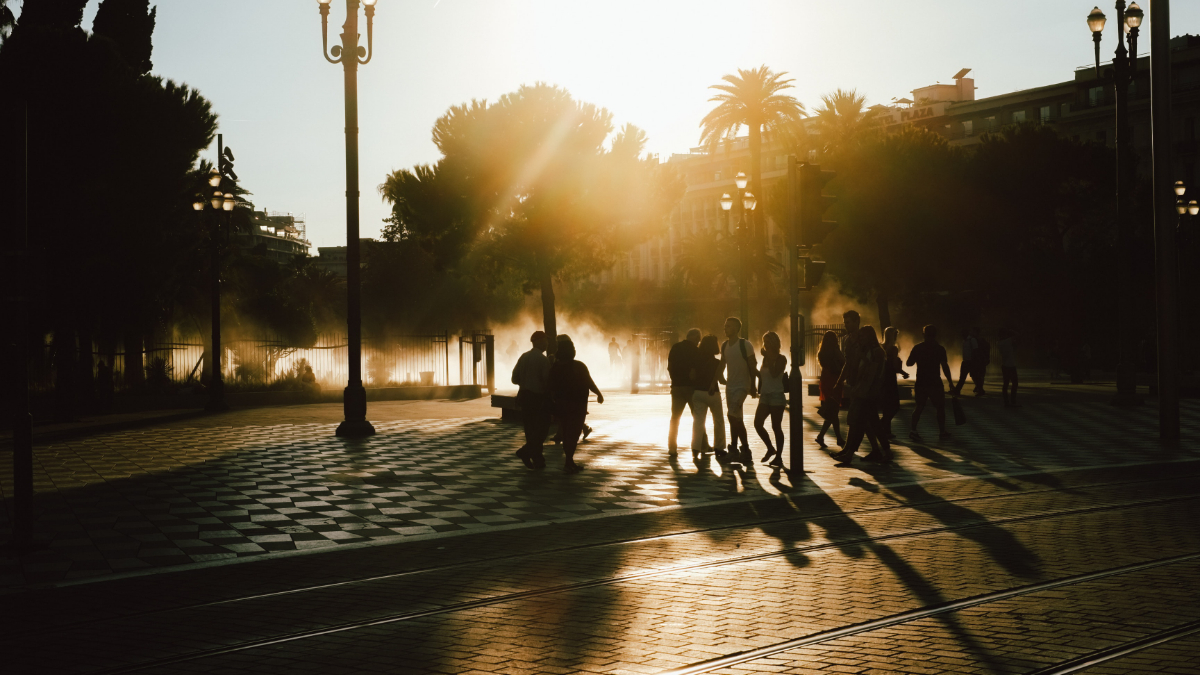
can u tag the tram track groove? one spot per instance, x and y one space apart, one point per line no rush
1101 656
738 658
617 542
646 574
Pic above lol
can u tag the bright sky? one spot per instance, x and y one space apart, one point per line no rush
648 61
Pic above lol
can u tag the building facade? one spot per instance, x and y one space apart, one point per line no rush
279 236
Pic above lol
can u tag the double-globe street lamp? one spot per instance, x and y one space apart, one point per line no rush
1185 238
749 203
220 202
350 54
1120 76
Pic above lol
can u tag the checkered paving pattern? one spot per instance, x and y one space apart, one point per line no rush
170 496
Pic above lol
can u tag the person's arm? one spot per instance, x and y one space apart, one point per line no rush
516 374
912 356
592 384
752 365
949 377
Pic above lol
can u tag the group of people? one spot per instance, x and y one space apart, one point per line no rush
698 365
560 389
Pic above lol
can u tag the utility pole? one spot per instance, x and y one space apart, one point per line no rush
795 376
1165 218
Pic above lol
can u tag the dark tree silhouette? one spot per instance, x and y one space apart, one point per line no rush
130 24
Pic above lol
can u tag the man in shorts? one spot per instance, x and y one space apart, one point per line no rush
741 368
930 359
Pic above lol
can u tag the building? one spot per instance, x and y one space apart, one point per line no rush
1081 107
333 258
279 236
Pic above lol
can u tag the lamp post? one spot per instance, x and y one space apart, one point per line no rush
220 202
350 54
749 203
1122 73
1185 238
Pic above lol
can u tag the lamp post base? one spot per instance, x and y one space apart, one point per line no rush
355 405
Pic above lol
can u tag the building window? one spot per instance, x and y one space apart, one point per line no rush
1064 110
1018 117
717 176
1095 96
1044 114
990 123
968 128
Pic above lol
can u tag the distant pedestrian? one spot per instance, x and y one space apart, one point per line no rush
741 366
983 358
706 396
930 359
832 362
865 394
532 375
772 388
681 360
614 355
889 403
1008 367
570 382
967 367
850 353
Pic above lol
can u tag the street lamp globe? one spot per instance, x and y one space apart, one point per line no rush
726 202
214 178
229 202
1180 188
369 3
1193 207
741 180
1133 16
1180 207
198 204
1096 20
749 202
323 2
217 199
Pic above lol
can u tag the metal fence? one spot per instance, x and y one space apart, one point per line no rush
476 358
649 361
812 344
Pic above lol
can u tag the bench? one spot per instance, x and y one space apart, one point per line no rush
510 409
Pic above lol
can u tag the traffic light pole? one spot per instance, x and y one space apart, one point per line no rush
795 378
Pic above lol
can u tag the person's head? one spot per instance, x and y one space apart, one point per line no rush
539 340
890 335
930 332
709 346
307 369
614 340
566 351
733 327
830 342
868 338
851 319
693 336
771 343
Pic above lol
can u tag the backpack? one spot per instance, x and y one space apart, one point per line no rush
984 350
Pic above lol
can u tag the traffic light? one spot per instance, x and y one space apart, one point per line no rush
814 227
812 271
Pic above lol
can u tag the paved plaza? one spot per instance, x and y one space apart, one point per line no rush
257 541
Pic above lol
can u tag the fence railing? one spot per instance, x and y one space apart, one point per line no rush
476 359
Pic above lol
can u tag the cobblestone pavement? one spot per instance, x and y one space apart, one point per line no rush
413 573
196 492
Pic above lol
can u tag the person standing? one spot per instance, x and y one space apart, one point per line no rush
741 369
570 381
1008 367
614 355
531 375
863 418
967 368
830 383
772 388
930 359
706 396
889 403
680 362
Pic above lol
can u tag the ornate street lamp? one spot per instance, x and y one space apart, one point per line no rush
220 201
1120 75
350 54
749 202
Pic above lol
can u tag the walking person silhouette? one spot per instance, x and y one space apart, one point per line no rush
772 388
741 366
570 382
706 396
830 383
889 404
865 394
680 362
930 358
531 375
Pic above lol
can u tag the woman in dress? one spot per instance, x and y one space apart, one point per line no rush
707 396
831 360
772 385
889 404
570 382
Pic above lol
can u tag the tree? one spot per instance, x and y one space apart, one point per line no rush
751 98
129 24
7 20
527 187
842 123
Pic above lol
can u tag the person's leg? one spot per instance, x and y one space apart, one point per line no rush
714 406
699 410
529 423
829 418
922 396
777 426
737 423
980 377
964 371
679 400
570 429
760 416
854 437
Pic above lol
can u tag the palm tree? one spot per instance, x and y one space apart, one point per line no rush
751 98
842 122
7 21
